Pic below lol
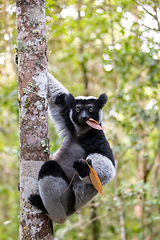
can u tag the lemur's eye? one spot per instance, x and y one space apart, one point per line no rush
78 109
90 109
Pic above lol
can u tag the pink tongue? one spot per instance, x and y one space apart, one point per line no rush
94 124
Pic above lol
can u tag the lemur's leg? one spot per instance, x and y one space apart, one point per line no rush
58 201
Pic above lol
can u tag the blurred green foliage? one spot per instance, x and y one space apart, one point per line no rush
93 47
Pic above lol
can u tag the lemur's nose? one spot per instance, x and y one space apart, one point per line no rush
83 116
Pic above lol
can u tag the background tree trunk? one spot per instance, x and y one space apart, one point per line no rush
34 147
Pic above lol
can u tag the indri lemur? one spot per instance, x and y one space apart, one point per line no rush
81 141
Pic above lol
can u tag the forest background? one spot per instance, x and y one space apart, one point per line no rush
94 47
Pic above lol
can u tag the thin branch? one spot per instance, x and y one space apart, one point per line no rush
156 168
145 9
121 219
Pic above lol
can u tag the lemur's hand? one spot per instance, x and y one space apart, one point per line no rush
16 58
82 167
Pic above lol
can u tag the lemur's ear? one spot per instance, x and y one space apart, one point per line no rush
101 101
69 100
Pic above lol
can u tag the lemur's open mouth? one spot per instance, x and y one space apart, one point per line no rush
94 124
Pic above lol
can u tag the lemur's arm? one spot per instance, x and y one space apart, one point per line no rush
100 158
100 163
58 110
55 88
57 106
84 190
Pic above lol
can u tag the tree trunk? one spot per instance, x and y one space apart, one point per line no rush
34 147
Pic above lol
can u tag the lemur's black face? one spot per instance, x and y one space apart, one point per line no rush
82 110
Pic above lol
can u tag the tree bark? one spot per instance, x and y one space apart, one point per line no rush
33 117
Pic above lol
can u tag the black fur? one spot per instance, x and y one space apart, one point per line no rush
101 101
95 141
69 125
69 100
84 104
82 167
52 168
16 58
61 101
35 200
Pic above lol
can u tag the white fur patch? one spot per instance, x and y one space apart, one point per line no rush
86 179
100 116
85 98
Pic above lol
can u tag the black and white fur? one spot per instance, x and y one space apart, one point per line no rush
81 142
